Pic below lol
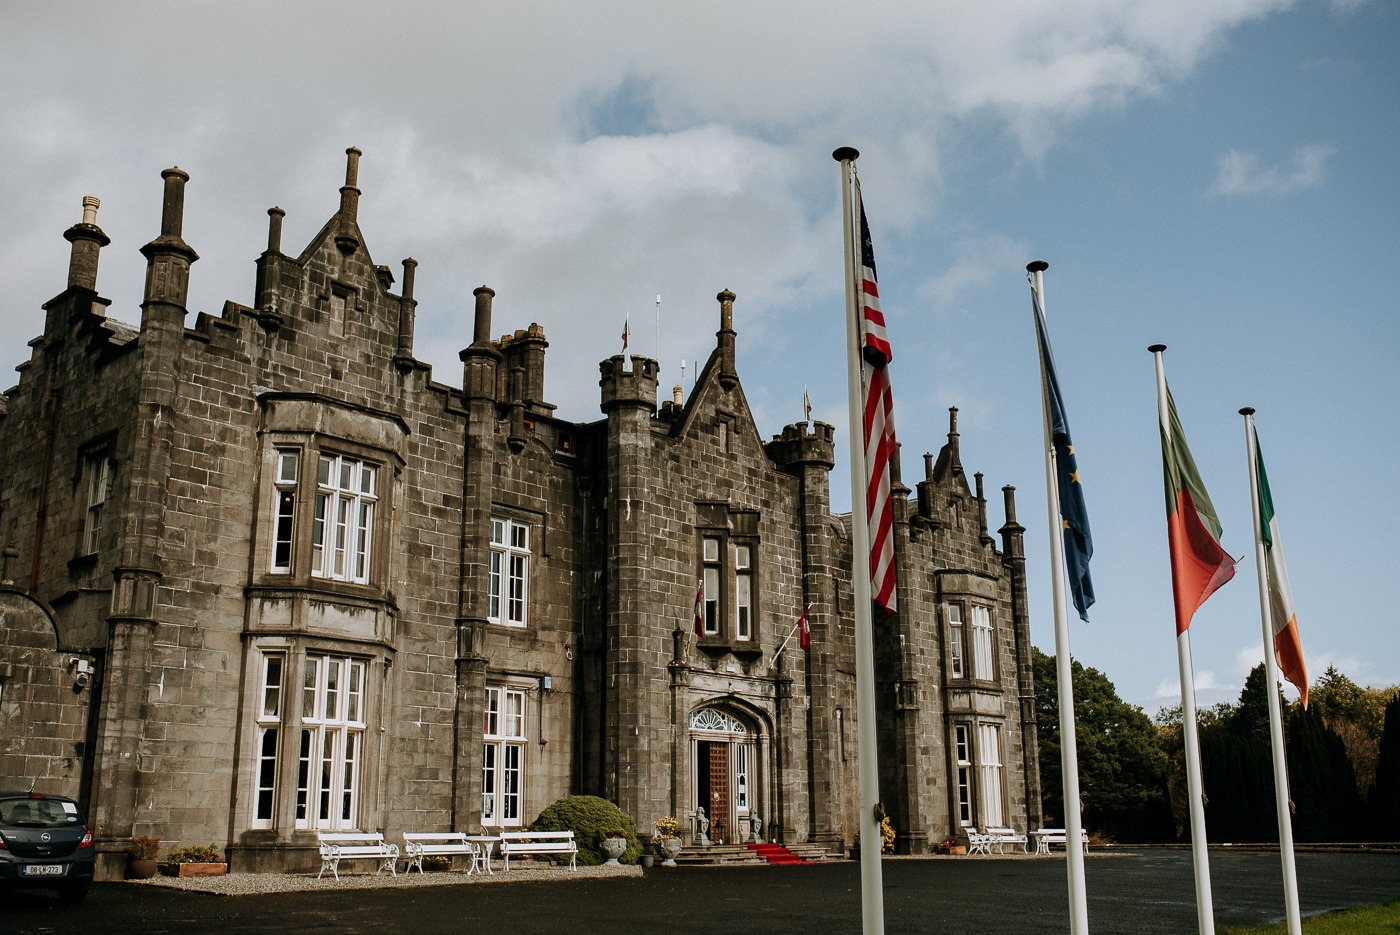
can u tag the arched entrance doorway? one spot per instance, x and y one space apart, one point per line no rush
725 776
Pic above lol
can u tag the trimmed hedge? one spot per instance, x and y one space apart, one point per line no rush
588 816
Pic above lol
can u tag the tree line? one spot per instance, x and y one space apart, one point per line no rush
1343 756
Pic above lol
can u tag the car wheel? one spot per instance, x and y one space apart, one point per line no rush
73 894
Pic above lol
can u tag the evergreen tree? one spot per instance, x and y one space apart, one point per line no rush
1385 794
1327 806
1357 715
1122 766
1237 767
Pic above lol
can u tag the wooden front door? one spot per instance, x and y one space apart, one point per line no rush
715 785
720 812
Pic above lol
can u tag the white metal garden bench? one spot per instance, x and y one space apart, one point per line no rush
539 842
356 845
1001 837
978 842
1044 837
417 845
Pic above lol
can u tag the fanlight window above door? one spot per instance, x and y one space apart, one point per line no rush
710 719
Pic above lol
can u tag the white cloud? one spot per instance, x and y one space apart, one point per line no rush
977 261
483 162
1239 173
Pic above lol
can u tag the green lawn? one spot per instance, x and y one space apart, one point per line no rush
1380 919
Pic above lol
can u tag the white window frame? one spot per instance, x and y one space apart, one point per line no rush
963 756
741 779
743 591
331 743
508 577
956 653
712 575
503 757
989 775
268 736
984 660
284 510
97 467
343 529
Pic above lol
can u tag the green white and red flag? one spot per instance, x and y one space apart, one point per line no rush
1288 648
1199 564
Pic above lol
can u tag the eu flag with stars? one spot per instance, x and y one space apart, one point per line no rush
1079 545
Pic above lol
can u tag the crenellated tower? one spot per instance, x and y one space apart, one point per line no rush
634 639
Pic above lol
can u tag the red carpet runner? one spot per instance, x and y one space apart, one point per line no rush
775 854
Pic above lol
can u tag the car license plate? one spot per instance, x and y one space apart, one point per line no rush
43 870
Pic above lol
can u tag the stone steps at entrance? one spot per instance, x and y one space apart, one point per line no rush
730 855
716 855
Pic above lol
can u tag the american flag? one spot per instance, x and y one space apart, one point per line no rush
878 423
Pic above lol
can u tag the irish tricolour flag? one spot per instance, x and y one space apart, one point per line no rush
1288 649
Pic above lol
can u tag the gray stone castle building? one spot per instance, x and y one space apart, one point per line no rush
265 575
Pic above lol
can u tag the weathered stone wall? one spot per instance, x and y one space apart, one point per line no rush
45 697
608 660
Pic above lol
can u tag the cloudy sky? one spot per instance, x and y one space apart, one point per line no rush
1216 175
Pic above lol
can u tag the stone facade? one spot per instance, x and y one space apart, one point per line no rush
317 589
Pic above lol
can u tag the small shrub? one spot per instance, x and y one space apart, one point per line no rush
144 847
667 827
886 836
590 818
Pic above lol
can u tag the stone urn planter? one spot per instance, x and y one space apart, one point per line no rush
141 868
667 849
612 849
142 854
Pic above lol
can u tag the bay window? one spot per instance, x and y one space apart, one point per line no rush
503 753
342 530
331 742
982 643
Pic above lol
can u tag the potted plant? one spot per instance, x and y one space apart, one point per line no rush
952 845
142 853
614 844
668 842
200 860
439 864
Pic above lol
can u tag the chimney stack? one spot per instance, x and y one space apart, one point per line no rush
87 240
346 238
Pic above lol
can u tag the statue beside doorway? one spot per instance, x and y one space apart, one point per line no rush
702 827
755 828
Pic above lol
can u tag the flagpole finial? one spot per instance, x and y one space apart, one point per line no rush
1037 266
1247 411
846 153
1157 348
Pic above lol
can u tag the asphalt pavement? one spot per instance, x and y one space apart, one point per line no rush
1148 892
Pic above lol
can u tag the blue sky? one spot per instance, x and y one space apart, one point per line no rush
1219 176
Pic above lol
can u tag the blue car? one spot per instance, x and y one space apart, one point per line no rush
44 842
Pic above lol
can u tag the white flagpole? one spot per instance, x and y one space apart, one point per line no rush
1285 819
1069 752
787 638
1200 861
658 326
872 897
